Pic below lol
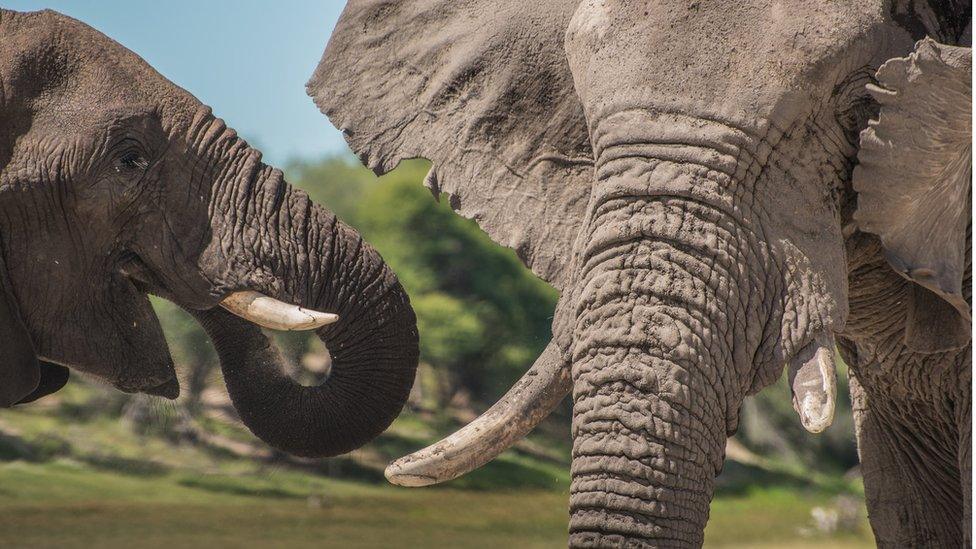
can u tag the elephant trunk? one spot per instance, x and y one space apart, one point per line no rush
292 250
660 341
648 443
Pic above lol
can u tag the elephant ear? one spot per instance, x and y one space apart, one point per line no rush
914 185
20 372
482 88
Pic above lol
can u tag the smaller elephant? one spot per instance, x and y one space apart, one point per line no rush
114 184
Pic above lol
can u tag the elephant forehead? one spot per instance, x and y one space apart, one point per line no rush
64 68
670 52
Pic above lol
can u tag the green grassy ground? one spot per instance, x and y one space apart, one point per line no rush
66 504
71 480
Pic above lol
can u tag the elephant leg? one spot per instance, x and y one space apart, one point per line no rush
912 498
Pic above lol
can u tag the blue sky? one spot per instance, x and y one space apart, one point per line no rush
247 59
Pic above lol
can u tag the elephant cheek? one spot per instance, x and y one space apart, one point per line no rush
115 337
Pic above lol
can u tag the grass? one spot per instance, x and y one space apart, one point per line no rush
70 480
67 504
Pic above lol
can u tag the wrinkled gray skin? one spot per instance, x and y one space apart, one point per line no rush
683 172
115 183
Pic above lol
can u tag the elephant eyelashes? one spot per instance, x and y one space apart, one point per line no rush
131 161
857 107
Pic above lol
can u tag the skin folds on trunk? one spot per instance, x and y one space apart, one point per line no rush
661 332
298 252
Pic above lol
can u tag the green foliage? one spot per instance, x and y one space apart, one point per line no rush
337 182
453 333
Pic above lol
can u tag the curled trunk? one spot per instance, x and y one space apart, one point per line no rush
321 264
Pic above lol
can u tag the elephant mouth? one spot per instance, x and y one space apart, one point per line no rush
141 275
251 305
169 389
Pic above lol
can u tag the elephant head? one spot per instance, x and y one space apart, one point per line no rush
682 173
114 184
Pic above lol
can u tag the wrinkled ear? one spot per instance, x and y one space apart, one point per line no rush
19 370
932 325
482 88
914 180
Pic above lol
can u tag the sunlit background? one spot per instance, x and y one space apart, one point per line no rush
248 59
92 467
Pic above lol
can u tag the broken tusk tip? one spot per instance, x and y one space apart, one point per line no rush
327 318
395 475
817 427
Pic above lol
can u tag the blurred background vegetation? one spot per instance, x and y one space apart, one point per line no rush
90 466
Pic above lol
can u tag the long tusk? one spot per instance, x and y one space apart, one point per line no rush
527 403
268 312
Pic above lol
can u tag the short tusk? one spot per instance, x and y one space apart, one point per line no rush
813 383
268 312
526 404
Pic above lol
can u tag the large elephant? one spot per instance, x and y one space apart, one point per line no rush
114 184
704 184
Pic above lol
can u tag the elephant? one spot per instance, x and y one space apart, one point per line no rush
720 191
116 184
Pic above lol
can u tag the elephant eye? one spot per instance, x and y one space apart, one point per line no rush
854 106
131 161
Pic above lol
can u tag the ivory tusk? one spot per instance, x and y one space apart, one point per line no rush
268 312
813 383
527 403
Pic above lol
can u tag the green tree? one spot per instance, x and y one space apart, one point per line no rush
337 182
